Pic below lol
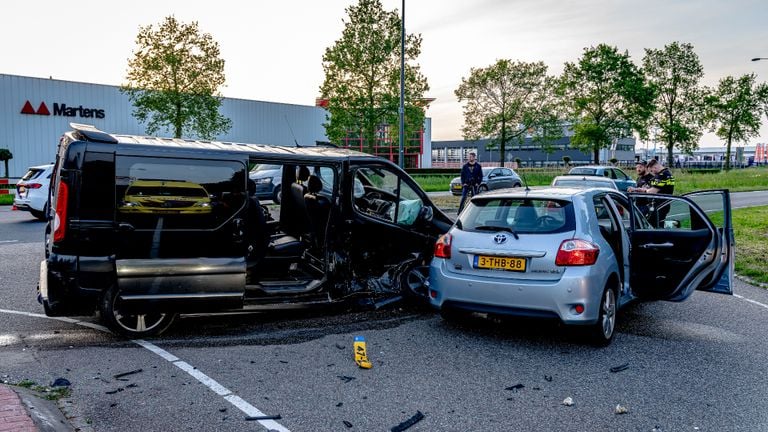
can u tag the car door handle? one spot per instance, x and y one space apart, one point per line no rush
657 245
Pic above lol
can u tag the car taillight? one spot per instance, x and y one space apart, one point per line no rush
33 185
576 252
60 218
443 246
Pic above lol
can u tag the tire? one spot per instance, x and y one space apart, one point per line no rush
41 215
413 282
516 185
483 188
277 194
601 333
132 326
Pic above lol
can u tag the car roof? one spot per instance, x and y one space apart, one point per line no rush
548 192
91 134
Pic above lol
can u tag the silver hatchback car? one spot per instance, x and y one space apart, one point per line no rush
578 255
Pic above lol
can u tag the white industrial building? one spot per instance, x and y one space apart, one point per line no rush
34 112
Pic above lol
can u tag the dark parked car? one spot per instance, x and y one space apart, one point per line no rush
493 178
622 180
268 179
358 227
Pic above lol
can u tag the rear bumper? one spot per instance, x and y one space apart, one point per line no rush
529 298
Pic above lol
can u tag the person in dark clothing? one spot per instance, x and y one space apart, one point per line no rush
643 181
471 177
663 182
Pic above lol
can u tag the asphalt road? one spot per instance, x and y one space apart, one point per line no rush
697 365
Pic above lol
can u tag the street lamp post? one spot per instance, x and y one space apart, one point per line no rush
401 109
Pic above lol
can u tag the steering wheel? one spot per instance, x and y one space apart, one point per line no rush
547 220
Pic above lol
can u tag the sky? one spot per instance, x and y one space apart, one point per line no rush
273 49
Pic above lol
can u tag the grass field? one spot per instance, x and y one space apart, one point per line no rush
750 226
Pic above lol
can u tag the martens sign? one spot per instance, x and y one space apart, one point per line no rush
61 109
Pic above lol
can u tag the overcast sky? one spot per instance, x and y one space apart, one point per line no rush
273 49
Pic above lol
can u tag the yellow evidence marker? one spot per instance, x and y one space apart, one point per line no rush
361 357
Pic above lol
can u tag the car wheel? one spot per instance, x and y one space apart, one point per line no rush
413 282
42 215
133 326
277 194
516 185
601 333
483 188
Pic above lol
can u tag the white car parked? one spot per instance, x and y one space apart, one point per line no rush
32 191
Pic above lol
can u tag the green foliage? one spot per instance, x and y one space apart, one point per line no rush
6 199
749 226
49 393
5 156
362 76
605 95
507 100
735 110
174 78
678 114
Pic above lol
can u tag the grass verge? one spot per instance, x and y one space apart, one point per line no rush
750 226
50 393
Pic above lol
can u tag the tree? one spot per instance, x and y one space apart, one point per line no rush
174 79
362 76
605 96
735 110
5 156
678 115
508 100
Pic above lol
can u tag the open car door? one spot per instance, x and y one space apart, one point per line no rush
679 248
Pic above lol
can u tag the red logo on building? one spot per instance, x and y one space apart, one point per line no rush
41 110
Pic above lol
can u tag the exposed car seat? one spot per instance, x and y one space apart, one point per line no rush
318 208
526 217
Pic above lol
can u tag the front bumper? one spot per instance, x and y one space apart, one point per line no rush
519 297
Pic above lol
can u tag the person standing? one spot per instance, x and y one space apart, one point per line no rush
663 182
644 176
471 177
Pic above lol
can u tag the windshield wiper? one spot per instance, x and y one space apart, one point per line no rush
497 228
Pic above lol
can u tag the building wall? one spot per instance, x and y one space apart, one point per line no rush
33 138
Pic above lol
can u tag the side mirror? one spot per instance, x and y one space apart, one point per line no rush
426 214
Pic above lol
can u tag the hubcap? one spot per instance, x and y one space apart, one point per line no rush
609 313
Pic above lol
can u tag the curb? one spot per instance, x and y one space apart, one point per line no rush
22 410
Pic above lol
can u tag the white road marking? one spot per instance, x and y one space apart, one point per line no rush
751 301
207 381
8 241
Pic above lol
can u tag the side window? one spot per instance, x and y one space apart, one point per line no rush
676 215
621 175
164 193
382 194
603 214
327 176
506 172
97 191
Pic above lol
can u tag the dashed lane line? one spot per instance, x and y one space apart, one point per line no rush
204 379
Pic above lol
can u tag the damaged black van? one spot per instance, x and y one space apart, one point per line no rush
144 228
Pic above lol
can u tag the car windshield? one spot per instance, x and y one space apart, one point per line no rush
520 215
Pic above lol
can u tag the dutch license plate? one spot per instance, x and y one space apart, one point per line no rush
500 263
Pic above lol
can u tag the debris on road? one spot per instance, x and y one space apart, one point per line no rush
347 424
124 374
620 368
515 387
345 378
620 409
548 378
408 423
568 401
264 417
361 355
61 382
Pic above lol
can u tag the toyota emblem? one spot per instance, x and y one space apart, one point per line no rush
500 239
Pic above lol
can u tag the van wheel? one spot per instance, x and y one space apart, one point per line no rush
601 332
132 326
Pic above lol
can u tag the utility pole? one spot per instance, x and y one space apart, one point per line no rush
401 109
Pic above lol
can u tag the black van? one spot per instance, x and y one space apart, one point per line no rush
145 228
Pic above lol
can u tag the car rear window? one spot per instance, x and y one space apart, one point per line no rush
33 173
583 183
521 215
583 171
